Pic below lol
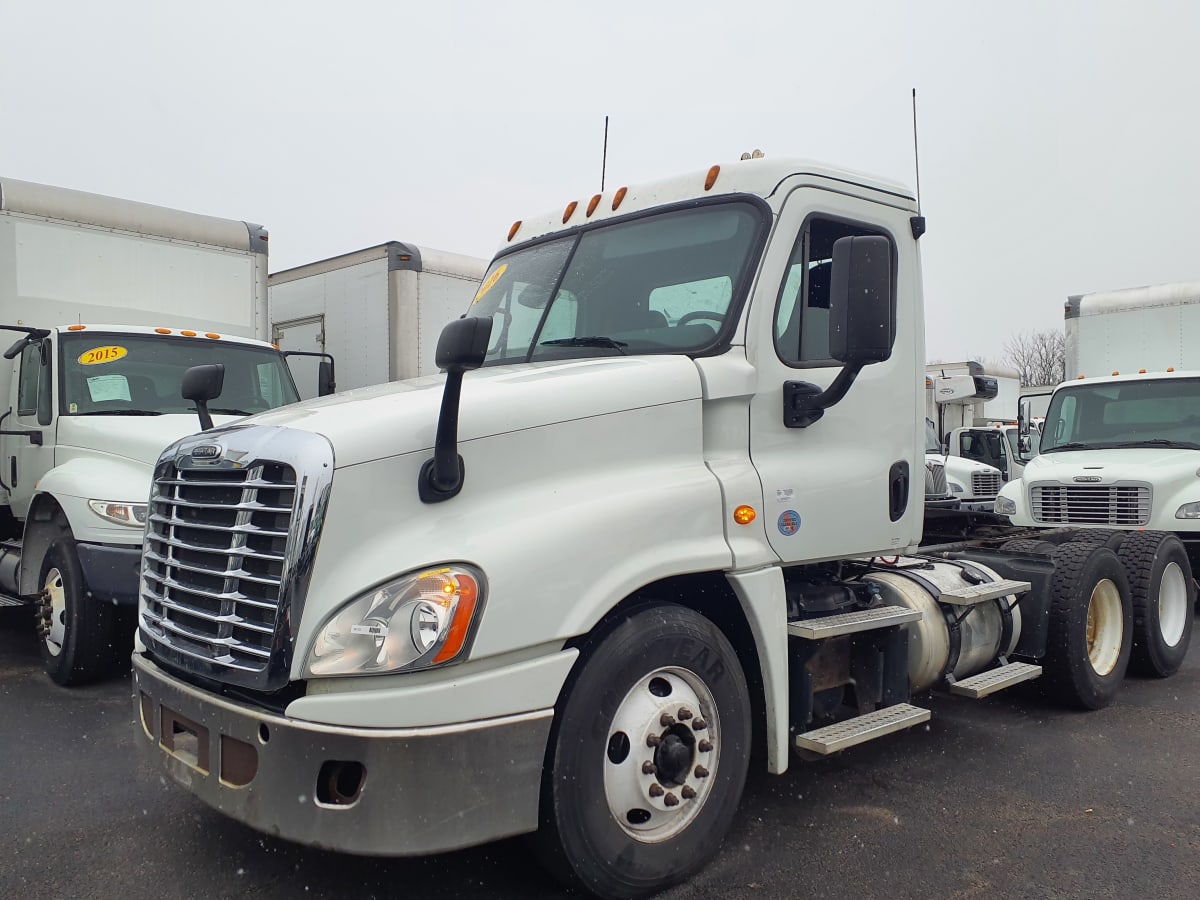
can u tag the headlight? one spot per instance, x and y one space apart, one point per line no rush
1188 511
1005 506
955 487
131 514
415 622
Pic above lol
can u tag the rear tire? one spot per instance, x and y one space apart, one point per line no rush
1029 546
79 643
1091 626
633 801
1163 594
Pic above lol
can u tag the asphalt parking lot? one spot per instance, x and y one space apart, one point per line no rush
1005 797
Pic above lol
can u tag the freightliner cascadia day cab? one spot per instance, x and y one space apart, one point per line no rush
379 311
637 529
88 407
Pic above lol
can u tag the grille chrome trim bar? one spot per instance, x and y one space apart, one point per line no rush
1124 503
226 609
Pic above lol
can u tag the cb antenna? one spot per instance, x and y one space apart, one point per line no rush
604 157
917 222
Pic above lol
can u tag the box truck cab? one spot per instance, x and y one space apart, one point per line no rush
104 304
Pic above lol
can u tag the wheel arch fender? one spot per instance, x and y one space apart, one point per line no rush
46 523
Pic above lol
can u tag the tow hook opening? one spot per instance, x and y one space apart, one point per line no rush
340 782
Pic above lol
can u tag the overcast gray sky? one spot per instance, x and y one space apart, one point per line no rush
1060 142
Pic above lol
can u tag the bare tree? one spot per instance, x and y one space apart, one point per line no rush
1038 356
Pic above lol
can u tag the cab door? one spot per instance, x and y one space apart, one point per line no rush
851 482
28 445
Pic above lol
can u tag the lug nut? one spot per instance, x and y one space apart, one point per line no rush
670 800
684 714
653 740
688 792
701 772
704 746
666 720
699 725
649 768
656 790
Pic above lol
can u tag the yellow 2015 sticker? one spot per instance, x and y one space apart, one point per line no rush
490 283
99 355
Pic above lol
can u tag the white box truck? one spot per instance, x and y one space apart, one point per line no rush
109 302
1120 443
663 508
378 311
977 412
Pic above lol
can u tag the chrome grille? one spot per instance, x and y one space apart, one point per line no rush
935 479
214 560
985 484
1091 504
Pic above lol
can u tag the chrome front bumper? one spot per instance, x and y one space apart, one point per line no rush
375 792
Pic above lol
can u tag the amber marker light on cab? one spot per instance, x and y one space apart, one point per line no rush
619 196
744 515
570 211
512 232
712 177
162 330
215 337
76 327
592 204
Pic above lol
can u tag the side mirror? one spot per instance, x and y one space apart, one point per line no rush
861 326
462 346
325 381
201 384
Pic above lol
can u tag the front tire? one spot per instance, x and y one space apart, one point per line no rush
647 757
78 634
1091 626
1160 578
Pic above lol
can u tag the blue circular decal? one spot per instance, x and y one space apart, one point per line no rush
789 522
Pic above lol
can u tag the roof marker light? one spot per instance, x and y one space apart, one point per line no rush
162 330
592 204
619 196
712 177
188 333
512 232
570 210
215 337
76 327
1141 371
1116 373
1170 368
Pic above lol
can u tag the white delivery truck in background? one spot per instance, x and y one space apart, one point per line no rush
977 414
106 303
378 311
664 508
1120 444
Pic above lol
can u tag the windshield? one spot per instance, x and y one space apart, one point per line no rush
1152 413
932 445
141 374
660 284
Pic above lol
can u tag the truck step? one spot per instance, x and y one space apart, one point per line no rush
851 622
973 594
978 686
861 729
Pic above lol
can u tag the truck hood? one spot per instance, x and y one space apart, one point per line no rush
1109 466
139 439
401 417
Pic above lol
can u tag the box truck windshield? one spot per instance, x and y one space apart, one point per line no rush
132 374
1109 415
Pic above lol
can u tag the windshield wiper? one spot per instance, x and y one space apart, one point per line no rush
595 341
121 412
1161 442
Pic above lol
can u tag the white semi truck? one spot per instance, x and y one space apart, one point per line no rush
977 413
378 311
637 530
107 303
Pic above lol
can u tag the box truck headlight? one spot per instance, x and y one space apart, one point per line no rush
1005 506
955 487
131 514
415 622
1188 511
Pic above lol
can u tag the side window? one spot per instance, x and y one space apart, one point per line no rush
803 311
30 378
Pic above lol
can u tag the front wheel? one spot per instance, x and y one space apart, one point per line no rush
78 634
648 755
